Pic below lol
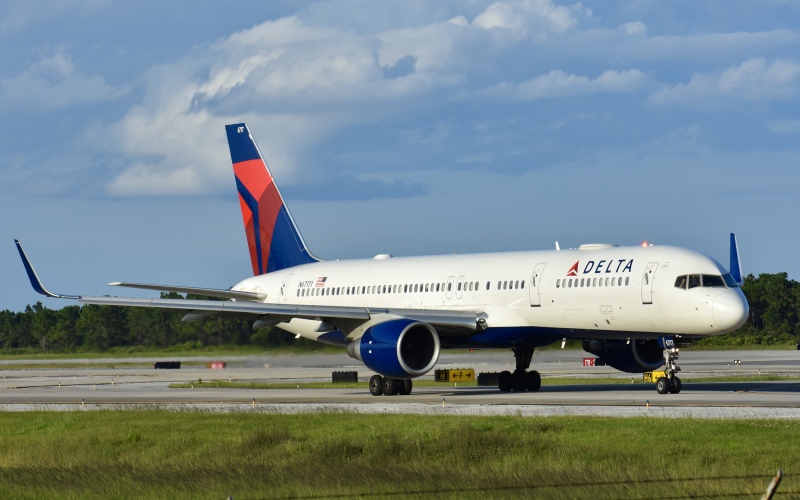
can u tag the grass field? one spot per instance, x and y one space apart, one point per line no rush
156 454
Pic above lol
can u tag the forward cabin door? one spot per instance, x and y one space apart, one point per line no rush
534 290
284 287
648 280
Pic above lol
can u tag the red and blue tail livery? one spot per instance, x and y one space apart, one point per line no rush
272 236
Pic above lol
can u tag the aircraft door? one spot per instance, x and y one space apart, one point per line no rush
284 287
449 290
460 287
535 286
648 280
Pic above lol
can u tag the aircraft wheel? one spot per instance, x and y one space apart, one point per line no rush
376 385
519 382
389 387
675 388
405 387
534 381
663 386
505 381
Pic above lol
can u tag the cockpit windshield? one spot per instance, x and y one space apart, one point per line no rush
689 281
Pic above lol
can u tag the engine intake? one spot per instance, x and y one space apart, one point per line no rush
398 348
638 356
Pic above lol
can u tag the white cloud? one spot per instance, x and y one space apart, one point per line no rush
784 126
54 82
754 79
528 16
636 28
557 83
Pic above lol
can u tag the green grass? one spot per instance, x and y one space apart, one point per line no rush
156 454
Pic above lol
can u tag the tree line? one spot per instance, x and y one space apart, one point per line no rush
774 320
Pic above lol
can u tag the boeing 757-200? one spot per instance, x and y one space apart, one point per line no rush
630 306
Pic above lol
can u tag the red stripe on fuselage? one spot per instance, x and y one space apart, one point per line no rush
253 174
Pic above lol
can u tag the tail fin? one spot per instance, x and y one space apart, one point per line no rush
272 236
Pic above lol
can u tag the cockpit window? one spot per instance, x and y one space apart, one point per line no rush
705 280
710 280
730 281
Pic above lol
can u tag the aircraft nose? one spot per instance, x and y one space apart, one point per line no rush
730 310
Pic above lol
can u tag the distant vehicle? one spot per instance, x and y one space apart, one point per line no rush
630 306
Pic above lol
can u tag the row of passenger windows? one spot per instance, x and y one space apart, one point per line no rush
471 286
706 280
591 282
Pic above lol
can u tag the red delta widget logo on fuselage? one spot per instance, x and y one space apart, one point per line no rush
603 267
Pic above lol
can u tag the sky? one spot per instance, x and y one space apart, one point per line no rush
404 127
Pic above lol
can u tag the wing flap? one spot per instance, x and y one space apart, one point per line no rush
211 292
462 321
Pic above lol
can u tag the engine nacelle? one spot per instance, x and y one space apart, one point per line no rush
638 356
398 348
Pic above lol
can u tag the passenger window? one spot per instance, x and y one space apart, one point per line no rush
619 281
487 285
459 287
694 281
558 283
449 287
627 280
522 284
498 285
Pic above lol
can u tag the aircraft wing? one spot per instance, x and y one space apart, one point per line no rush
247 304
462 321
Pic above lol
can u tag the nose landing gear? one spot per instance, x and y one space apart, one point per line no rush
669 383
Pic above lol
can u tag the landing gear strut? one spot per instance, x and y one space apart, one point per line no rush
521 380
670 383
389 386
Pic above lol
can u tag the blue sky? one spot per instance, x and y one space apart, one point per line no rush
405 127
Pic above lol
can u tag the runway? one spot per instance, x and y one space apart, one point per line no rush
138 386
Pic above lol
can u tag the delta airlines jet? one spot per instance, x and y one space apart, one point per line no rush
631 306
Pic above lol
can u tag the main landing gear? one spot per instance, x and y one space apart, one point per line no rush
389 386
521 380
670 383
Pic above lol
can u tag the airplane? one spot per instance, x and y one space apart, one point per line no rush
632 307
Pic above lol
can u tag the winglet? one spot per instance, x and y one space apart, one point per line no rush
736 263
35 281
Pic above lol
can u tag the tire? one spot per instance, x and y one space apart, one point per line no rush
676 385
405 387
662 385
376 385
534 381
504 381
519 382
389 387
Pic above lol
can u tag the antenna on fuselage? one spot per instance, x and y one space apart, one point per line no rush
558 248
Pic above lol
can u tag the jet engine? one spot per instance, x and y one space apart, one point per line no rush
398 348
636 356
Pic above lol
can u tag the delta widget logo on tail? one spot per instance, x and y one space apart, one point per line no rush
603 267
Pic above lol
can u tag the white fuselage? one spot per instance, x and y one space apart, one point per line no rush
597 292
